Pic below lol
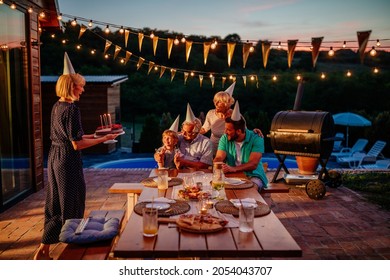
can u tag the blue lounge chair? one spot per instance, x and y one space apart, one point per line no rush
359 146
337 146
380 164
356 160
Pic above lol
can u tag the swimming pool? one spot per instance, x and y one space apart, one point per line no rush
151 163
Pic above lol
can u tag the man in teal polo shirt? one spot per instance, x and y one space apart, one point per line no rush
241 150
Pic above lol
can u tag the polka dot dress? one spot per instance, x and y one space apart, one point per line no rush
65 194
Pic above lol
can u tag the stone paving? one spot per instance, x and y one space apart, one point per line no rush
343 225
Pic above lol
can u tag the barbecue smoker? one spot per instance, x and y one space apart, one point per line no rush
307 134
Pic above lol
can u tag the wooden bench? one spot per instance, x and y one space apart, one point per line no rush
133 190
97 250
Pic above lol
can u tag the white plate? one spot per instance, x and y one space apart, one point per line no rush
245 204
110 141
233 181
158 205
99 136
155 179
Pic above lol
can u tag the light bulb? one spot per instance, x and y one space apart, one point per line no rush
90 23
183 39
121 30
251 49
106 56
122 60
59 17
344 44
63 41
155 68
373 51
376 70
30 10
323 76
349 74
93 51
176 41
252 78
42 15
13 6
213 46
279 45
74 22
211 75
331 52
107 30
53 35
78 47
299 77
192 74
151 35
274 78
378 44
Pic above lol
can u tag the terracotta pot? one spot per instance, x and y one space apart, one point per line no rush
307 165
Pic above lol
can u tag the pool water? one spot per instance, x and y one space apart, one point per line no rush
151 163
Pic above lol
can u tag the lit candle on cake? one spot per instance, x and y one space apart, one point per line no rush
109 120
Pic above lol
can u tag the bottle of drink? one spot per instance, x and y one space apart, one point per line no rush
218 181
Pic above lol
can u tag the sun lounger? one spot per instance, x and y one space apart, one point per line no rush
357 159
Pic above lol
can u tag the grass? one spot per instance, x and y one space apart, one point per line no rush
375 186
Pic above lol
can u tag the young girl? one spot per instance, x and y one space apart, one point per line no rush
164 156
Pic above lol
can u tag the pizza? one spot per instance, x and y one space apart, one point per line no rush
193 192
200 223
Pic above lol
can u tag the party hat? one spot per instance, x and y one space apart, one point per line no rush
175 125
190 117
68 68
230 89
236 115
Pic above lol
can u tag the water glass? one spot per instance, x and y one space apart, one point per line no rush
162 179
246 218
150 221
188 181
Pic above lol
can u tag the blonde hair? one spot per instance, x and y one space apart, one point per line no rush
224 97
170 133
65 84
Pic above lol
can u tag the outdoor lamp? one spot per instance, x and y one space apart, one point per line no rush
373 51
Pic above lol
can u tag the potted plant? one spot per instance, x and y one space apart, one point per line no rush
307 165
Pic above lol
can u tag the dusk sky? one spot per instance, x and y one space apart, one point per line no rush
275 20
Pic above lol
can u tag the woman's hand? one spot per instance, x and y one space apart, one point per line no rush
258 132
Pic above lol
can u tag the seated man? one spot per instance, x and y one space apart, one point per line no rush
241 150
195 149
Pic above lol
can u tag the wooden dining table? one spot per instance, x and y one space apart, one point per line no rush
269 239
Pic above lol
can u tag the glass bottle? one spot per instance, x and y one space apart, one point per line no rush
218 181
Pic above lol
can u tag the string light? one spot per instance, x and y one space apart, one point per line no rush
106 56
59 17
155 68
376 70
78 47
373 51
299 77
279 45
252 78
93 51
183 40
192 74
323 76
151 35
53 35
90 24
42 14
176 41
213 46
1 2
121 31
13 6
274 78
331 52
378 44
349 74
107 29
74 22
344 44
63 41
251 49
30 10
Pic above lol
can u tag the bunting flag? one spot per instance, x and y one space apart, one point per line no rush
140 39
169 44
230 51
128 54
151 65
140 62
244 79
290 51
265 48
223 82
212 78
188 49
200 80
363 40
162 70
117 50
127 33
206 49
245 53
107 46
186 77
316 44
173 72
155 42
83 28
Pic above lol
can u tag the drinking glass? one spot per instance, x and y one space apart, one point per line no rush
246 218
150 222
162 179
188 181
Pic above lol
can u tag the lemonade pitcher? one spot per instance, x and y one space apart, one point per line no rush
218 181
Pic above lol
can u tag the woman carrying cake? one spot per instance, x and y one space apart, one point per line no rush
66 190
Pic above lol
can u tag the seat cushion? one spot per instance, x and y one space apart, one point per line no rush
97 229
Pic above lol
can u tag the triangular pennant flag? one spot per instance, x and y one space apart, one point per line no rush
128 54
223 81
186 74
245 52
363 40
162 70
230 51
316 44
188 49
206 49
200 80
151 65
127 33
117 50
236 115
68 67
155 42
175 125
230 89
140 39
190 117
290 51
140 62
212 78
169 44
83 28
173 72
244 79
107 46
265 48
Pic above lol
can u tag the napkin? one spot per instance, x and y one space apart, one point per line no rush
248 202
234 181
159 200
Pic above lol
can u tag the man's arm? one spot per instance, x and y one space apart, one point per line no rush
252 164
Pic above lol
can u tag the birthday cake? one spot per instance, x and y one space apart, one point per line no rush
109 129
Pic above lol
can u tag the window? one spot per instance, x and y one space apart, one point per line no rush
15 148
